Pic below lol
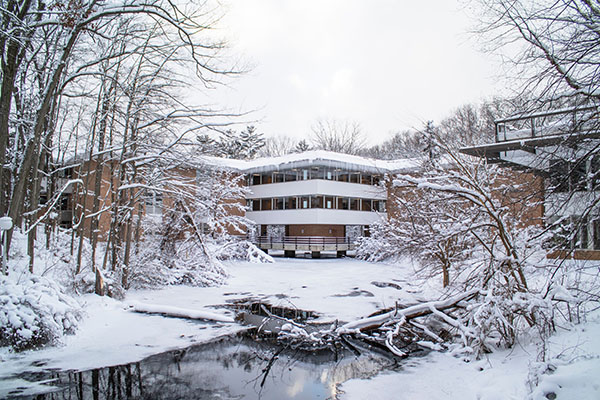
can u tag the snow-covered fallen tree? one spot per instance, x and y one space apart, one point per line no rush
34 312
179 312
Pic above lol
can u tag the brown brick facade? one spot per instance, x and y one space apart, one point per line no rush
316 230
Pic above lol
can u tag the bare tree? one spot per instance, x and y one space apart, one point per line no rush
278 146
339 136
460 220
553 46
554 50
107 76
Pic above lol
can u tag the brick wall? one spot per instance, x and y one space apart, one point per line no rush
316 230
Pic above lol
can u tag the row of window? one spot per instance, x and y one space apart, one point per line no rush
578 233
328 202
331 174
568 176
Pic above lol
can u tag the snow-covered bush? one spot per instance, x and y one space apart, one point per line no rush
241 250
382 244
34 312
187 262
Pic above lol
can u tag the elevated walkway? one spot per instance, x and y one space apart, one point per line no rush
518 139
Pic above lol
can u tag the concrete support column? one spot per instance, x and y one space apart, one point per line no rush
289 253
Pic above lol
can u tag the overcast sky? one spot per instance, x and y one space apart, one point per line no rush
386 64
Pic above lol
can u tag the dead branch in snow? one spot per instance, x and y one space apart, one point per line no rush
393 331
407 313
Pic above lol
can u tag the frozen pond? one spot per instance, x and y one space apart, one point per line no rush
231 368
111 334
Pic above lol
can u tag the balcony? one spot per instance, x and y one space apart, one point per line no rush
518 138
317 186
320 216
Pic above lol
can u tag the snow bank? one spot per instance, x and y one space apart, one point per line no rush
574 380
34 312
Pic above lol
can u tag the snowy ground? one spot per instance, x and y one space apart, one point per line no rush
501 376
336 289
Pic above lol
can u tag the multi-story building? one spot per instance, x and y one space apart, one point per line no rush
561 147
315 201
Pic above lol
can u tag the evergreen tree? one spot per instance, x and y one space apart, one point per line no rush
244 145
302 146
430 141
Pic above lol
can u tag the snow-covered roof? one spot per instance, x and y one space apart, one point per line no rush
315 158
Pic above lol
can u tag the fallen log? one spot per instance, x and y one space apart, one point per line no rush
178 312
417 310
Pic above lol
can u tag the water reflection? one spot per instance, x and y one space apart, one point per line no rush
233 368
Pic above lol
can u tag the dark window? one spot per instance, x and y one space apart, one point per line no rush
64 202
559 172
596 230
256 179
365 179
278 203
255 205
562 234
316 201
366 205
265 204
277 177
316 173
355 177
291 203
354 204
578 176
595 172
344 176
291 176
266 178
343 203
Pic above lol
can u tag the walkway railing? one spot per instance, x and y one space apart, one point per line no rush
582 120
313 243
